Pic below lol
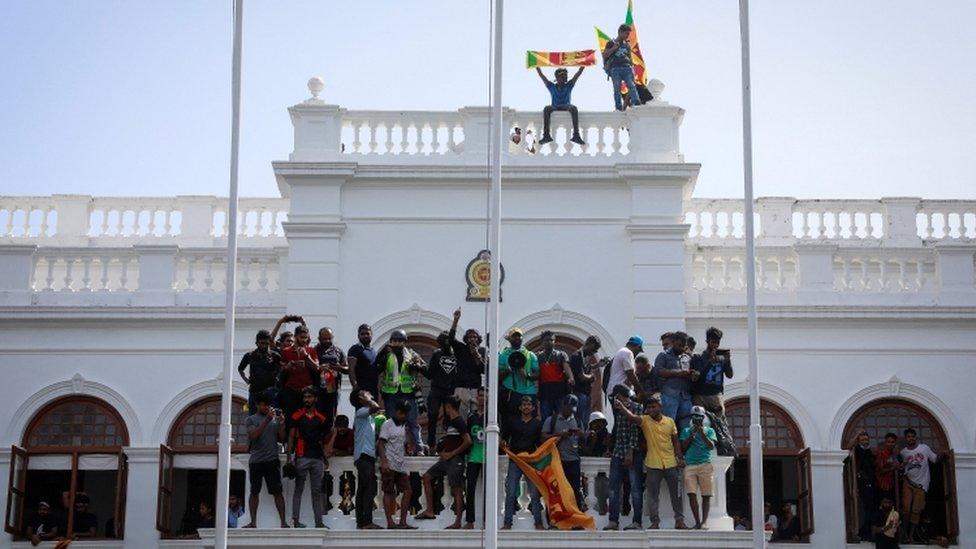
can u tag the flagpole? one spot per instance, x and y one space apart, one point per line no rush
752 328
494 242
227 380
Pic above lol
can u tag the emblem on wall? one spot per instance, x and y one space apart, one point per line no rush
478 277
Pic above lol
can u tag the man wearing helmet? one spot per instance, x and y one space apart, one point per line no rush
697 442
398 368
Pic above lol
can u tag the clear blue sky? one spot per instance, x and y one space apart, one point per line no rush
851 99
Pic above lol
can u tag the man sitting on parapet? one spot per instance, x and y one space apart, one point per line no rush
561 91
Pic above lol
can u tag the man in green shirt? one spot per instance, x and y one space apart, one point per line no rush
697 442
476 458
518 372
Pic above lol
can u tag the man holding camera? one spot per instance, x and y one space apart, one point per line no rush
518 371
265 429
697 442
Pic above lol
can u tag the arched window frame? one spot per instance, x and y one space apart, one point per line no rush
938 441
794 434
240 437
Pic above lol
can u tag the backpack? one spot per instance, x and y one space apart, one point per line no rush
606 363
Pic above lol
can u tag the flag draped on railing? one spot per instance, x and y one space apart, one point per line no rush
545 470
581 58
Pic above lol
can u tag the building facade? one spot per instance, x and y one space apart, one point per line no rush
112 311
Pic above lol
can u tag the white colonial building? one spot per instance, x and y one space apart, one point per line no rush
112 314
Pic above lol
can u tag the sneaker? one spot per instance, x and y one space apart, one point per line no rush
545 139
298 524
321 525
578 140
612 526
634 526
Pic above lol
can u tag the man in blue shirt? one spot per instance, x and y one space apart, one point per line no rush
561 91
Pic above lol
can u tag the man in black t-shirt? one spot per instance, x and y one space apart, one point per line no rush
442 372
555 376
362 362
713 367
42 526
523 434
863 463
85 523
471 360
263 364
450 451
307 442
332 364
584 364
885 523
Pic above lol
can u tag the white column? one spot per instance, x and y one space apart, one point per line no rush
476 123
157 270
143 485
815 263
828 499
775 220
74 215
16 273
196 225
901 229
318 130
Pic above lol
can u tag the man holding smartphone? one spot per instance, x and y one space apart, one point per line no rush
265 429
697 442
567 428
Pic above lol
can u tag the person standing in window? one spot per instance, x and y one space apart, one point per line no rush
789 525
863 460
555 376
915 458
307 443
886 466
85 523
43 526
265 429
263 365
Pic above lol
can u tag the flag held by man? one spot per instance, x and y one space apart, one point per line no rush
544 468
581 58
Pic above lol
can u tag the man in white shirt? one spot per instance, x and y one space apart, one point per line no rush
392 449
622 371
915 458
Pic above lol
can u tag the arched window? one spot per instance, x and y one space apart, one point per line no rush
187 464
423 344
781 436
894 415
786 463
72 457
198 428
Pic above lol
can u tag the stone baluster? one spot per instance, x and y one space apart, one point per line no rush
86 274
590 478
68 274
335 515
104 262
124 275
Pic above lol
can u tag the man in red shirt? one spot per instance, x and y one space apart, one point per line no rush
307 442
299 369
885 465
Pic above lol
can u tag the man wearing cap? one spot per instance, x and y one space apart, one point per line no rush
561 92
518 371
43 525
622 370
567 429
399 368
697 442
625 459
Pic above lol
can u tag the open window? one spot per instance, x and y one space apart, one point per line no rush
786 465
894 415
16 491
72 457
188 463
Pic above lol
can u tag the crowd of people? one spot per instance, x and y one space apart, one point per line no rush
662 408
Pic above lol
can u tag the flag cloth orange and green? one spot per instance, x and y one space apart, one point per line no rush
545 470
636 57
582 58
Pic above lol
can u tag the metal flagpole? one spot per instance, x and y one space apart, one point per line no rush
752 329
227 381
494 241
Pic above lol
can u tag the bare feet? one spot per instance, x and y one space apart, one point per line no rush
251 525
469 526
405 526
455 526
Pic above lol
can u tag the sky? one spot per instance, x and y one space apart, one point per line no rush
851 99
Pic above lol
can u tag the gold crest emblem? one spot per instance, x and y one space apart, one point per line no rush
478 276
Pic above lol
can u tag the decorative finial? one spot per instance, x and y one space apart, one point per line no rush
315 85
656 87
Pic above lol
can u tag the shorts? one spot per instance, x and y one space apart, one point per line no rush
267 471
698 478
395 482
453 469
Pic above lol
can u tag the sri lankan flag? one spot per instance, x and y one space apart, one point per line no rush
545 470
579 58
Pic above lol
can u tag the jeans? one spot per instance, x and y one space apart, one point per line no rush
390 401
677 406
315 469
471 490
366 493
625 74
511 494
549 407
583 407
635 473
672 476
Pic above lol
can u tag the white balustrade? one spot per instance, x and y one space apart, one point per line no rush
605 134
715 218
838 219
721 270
947 219
86 270
879 271
401 132
27 216
205 271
